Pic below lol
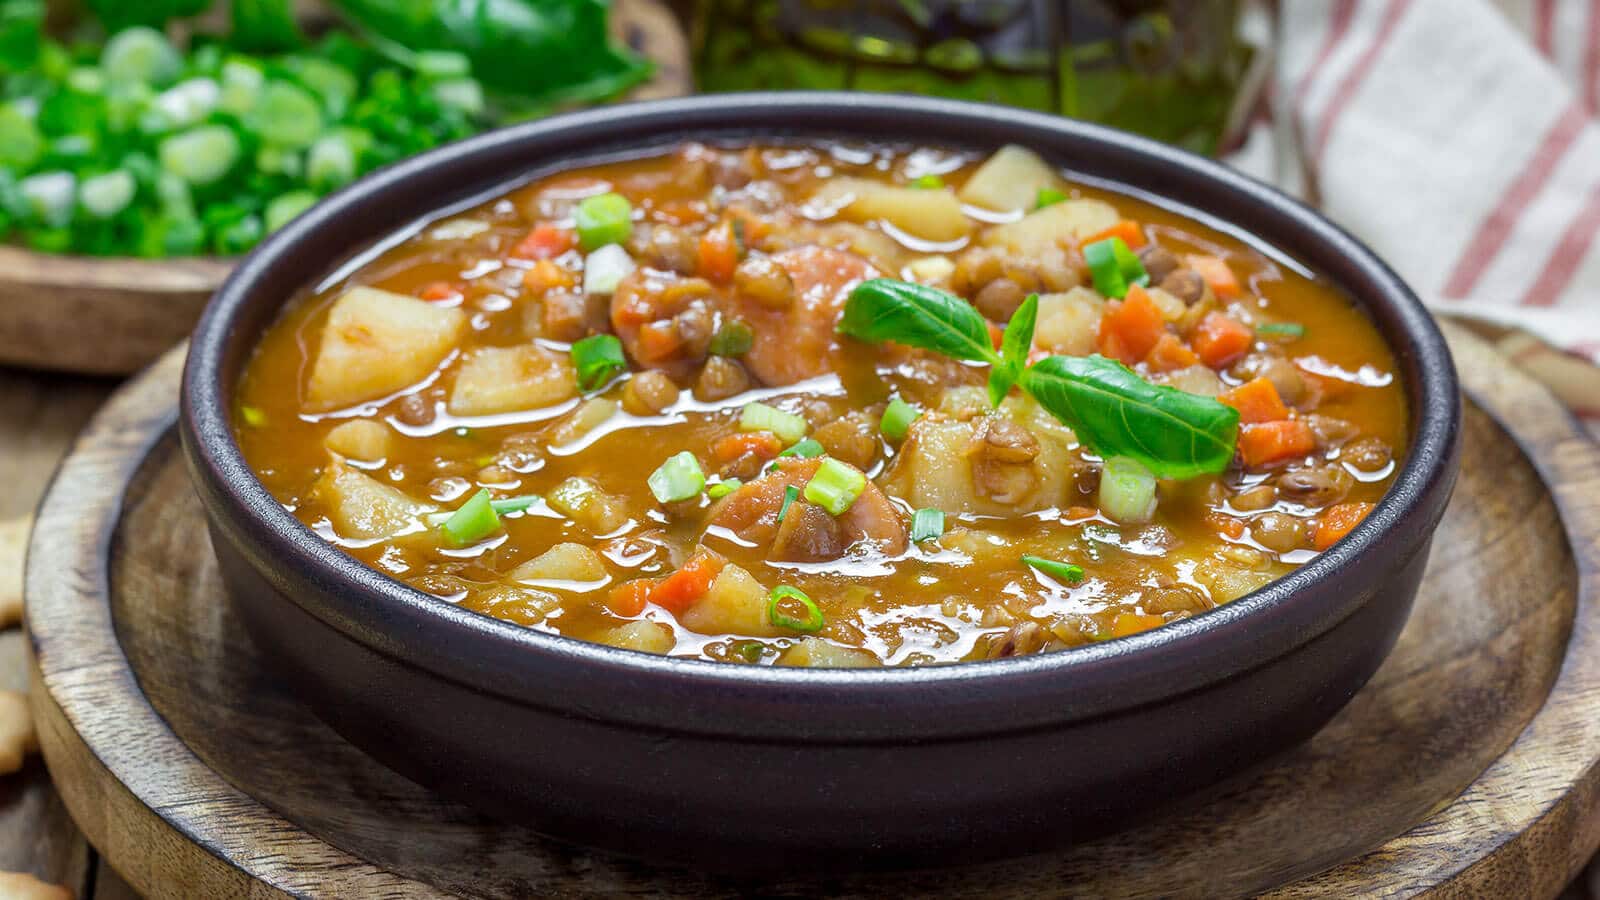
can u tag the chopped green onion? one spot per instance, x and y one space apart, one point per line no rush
809 448
242 82
253 416
21 143
1060 571
679 478
789 607
761 417
597 359
749 651
739 246
182 105
1281 329
734 338
928 183
285 207
927 524
603 219
723 488
140 54
287 115
514 504
605 268
1114 267
103 196
461 94
474 521
440 64
47 198
200 156
897 419
836 486
1127 490
1048 197
332 162
790 494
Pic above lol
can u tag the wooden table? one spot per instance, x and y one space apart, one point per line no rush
39 415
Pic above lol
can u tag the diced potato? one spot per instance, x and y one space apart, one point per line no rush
377 343
582 501
515 603
587 417
935 465
1010 180
933 215
365 508
1048 228
563 562
1195 379
1172 309
931 270
964 401
650 637
507 379
1229 583
1069 323
816 653
360 439
735 604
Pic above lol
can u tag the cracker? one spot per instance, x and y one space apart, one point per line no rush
13 544
17 736
22 886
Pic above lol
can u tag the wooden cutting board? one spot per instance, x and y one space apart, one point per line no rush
1469 766
113 316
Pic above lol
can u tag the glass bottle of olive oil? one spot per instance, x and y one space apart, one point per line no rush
1171 69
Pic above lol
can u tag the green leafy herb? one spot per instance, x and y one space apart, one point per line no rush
1014 347
886 309
927 524
789 607
1173 433
265 25
597 359
1060 571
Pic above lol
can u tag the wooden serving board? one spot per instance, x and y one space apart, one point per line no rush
1468 766
113 316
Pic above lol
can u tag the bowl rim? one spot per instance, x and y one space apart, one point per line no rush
499 657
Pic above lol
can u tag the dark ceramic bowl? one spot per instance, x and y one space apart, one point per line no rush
724 765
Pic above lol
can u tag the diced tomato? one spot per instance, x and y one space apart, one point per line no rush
730 447
440 290
1257 401
1216 272
1130 231
546 276
1170 354
1227 526
1270 442
1126 624
719 253
1130 329
678 591
628 599
1220 339
1337 522
545 241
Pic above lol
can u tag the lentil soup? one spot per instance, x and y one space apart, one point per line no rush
737 403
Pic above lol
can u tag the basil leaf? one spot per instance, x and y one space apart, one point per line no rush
884 309
1117 413
1014 347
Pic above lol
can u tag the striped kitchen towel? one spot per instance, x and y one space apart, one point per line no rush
1461 140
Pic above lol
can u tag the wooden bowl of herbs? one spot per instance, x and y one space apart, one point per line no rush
144 146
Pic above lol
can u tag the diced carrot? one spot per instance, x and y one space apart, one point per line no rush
1216 272
1227 526
1257 401
658 341
439 290
1337 522
1170 354
996 334
1078 513
719 253
628 599
678 591
730 447
546 276
545 241
1270 442
1132 623
1221 339
1130 231
1130 329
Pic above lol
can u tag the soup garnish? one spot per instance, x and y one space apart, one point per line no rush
826 405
